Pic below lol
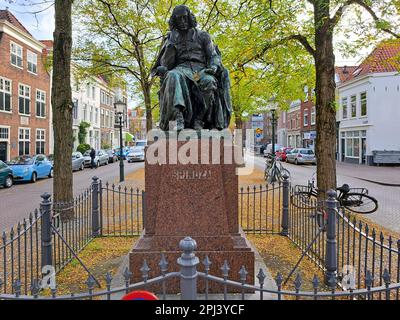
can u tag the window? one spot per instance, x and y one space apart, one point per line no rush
4 133
344 108
363 99
312 115
353 104
84 112
102 97
353 144
40 103
107 124
91 114
93 92
102 118
5 95
24 141
75 109
16 55
96 119
24 99
40 141
305 122
88 90
32 62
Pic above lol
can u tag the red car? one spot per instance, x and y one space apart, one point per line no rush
281 153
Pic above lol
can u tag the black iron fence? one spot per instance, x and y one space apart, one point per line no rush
341 246
189 277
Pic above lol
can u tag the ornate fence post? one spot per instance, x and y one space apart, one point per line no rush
45 208
188 262
95 207
330 256
285 206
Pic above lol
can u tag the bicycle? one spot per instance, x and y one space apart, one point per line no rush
356 200
274 171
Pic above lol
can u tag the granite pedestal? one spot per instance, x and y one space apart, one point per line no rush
194 199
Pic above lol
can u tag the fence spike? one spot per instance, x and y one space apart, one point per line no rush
373 233
108 278
390 241
368 279
279 279
381 237
243 274
225 269
12 233
261 277
4 237
90 282
315 282
241 189
366 229
207 264
17 287
386 277
145 270
298 282
36 212
19 228
35 288
30 218
127 274
163 264
398 245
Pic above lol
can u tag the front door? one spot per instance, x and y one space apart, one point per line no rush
3 151
343 149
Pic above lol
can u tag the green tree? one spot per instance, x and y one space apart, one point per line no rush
82 133
310 25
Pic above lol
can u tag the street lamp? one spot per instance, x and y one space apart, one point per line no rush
273 108
120 108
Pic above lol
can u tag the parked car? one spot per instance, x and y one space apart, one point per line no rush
301 156
141 143
268 149
6 175
31 168
50 157
100 159
112 157
124 152
78 161
136 154
282 152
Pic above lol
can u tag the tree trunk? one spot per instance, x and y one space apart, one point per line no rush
61 100
238 122
147 103
325 98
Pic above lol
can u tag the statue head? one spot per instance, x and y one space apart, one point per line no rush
182 19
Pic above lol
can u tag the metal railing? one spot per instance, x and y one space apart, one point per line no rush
189 277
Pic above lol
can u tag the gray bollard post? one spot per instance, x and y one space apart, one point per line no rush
285 206
330 256
46 243
188 262
95 207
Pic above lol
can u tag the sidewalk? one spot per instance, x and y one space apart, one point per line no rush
382 175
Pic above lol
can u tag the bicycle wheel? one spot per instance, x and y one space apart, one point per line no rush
359 203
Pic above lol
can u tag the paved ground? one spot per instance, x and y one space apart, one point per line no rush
22 198
388 196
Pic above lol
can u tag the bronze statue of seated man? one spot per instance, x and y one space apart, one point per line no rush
195 86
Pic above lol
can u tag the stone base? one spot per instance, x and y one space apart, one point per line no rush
232 249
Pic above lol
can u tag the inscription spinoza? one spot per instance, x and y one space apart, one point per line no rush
192 174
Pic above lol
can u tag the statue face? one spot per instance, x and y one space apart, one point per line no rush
182 20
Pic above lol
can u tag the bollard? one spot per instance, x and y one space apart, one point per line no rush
45 209
330 256
285 206
188 262
95 207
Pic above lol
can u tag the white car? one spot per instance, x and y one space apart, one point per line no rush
136 154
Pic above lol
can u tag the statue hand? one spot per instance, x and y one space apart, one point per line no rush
161 71
212 70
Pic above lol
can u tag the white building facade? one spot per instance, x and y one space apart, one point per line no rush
368 115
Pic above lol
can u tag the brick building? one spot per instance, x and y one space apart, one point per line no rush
307 115
24 91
